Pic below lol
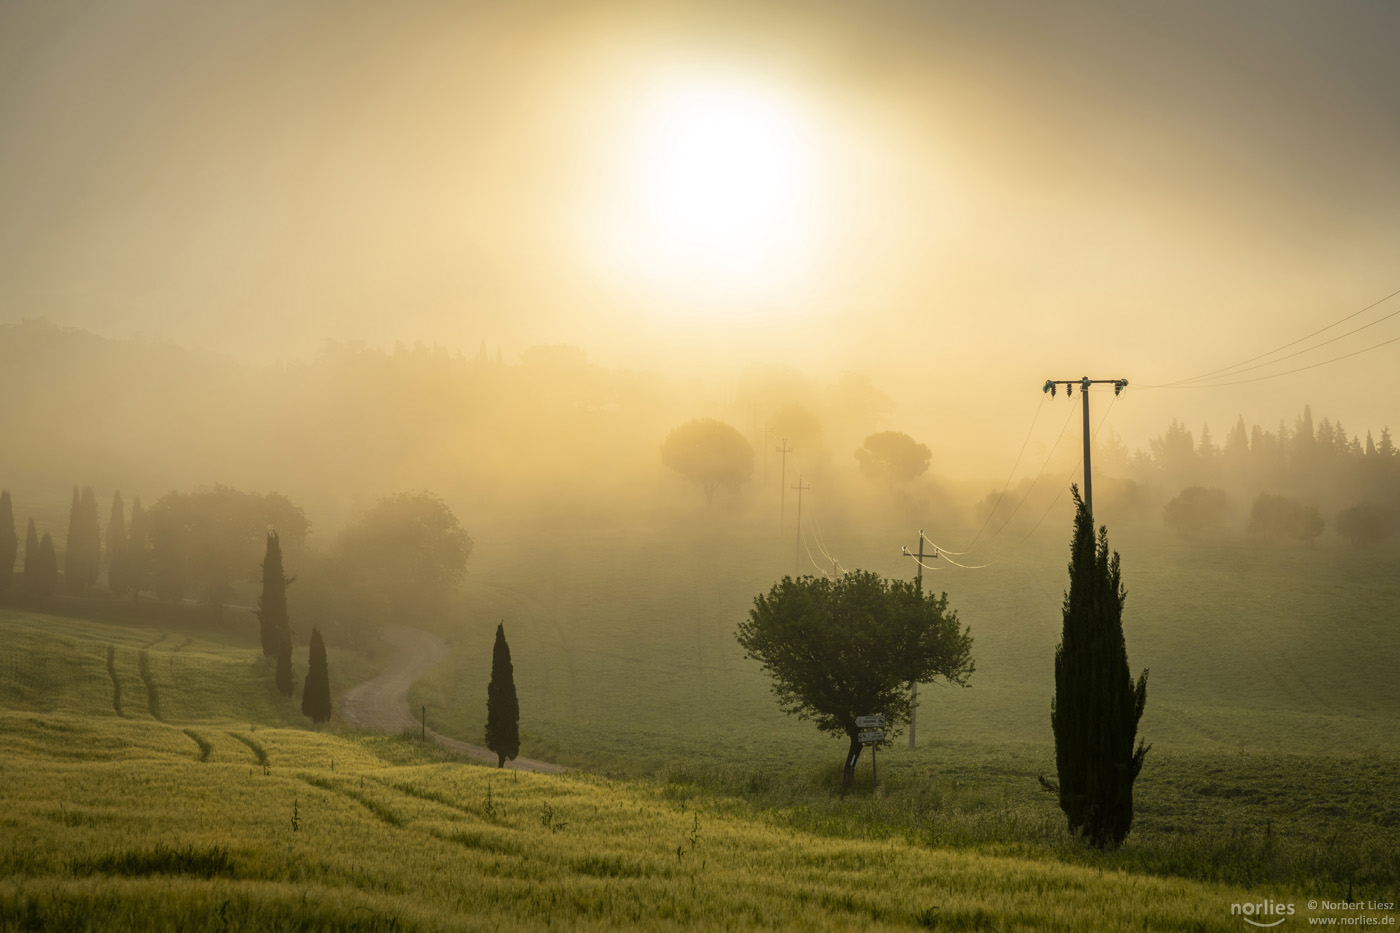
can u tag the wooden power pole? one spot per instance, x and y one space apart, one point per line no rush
918 585
783 449
797 549
1118 386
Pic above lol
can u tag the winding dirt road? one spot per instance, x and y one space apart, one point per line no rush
382 703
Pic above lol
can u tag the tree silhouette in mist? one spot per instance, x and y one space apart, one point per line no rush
1097 706
502 706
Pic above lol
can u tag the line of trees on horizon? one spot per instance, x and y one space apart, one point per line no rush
1281 483
403 557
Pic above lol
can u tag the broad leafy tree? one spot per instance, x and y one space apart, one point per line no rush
1097 705
316 691
502 706
1365 524
893 457
839 649
9 543
709 453
406 556
209 540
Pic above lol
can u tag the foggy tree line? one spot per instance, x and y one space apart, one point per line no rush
402 557
1288 481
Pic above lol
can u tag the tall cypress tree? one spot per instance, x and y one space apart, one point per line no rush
73 549
48 567
274 625
116 547
316 692
136 566
32 564
502 707
1097 705
9 543
92 540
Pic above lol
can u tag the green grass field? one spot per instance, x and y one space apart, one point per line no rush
152 780
1272 701
208 818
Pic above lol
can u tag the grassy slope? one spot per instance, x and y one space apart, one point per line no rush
1272 701
128 822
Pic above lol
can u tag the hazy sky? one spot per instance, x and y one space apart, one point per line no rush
960 199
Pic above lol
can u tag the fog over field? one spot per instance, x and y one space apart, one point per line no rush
596 321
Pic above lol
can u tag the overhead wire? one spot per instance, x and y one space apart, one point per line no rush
1214 385
1235 368
1009 478
1065 485
1048 456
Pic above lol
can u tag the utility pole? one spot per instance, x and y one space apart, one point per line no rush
1118 386
918 585
783 449
767 431
797 548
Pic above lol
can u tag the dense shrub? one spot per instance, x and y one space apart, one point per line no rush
1279 518
1198 511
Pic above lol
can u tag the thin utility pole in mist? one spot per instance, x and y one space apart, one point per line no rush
767 432
797 549
783 449
919 585
1118 386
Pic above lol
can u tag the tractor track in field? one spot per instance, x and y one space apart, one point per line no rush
381 703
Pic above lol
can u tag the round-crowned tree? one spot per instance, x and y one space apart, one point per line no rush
709 453
845 648
893 457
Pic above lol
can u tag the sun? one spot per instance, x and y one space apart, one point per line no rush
721 194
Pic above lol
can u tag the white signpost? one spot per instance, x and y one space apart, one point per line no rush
873 735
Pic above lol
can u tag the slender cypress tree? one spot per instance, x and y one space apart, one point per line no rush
502 707
116 547
1097 706
32 565
274 625
9 543
136 565
92 540
48 567
73 549
316 692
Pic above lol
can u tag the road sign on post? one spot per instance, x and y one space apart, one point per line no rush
874 734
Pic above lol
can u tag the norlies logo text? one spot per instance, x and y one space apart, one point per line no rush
1264 909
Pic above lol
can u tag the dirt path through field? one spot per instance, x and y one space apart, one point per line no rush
382 703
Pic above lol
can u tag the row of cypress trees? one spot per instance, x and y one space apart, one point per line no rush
40 576
125 545
275 633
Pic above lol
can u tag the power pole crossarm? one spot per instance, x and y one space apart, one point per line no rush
1084 382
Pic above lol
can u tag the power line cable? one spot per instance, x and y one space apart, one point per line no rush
1226 370
1009 478
1035 481
1289 372
1068 479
